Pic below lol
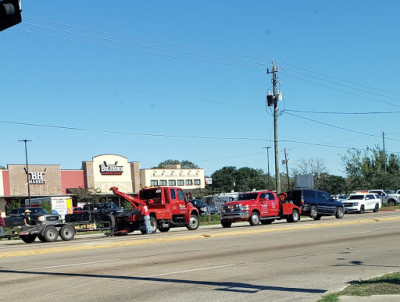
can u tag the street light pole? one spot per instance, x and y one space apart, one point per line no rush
27 168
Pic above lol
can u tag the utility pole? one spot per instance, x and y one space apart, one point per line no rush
268 167
287 169
27 168
273 101
384 151
384 159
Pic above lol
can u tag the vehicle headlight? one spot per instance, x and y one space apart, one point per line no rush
42 218
244 208
203 209
355 204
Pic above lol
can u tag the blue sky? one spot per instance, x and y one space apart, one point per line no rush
156 80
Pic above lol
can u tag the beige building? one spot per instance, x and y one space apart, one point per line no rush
109 170
187 179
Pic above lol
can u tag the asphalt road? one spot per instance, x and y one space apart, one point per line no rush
278 262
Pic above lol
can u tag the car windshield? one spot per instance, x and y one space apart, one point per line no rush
248 196
389 192
38 211
356 197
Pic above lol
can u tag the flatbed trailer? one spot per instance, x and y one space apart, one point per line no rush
50 232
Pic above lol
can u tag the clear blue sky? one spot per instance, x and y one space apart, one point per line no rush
157 80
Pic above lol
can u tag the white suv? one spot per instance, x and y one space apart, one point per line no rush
361 202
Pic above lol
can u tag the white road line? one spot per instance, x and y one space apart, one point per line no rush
67 265
189 271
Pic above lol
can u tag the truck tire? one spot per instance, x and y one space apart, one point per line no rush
254 218
41 238
28 238
362 209
193 223
50 234
339 213
226 224
163 226
67 232
391 203
294 217
314 213
376 209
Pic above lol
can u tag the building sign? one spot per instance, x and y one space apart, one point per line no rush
111 169
37 177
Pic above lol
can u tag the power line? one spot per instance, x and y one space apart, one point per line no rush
338 127
343 113
343 91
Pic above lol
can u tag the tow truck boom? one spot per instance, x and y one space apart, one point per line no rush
135 202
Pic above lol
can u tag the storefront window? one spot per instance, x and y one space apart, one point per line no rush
163 182
197 182
189 182
172 182
181 182
154 183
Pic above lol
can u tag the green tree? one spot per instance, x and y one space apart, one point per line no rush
240 180
90 195
372 169
332 184
185 164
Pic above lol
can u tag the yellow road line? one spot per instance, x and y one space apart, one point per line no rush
112 244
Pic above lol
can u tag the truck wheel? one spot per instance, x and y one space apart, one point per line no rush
28 238
391 203
50 234
226 224
193 223
294 217
339 212
41 238
164 229
67 232
376 209
254 218
362 209
314 213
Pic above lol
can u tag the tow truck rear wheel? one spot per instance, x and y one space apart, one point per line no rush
67 232
28 238
194 223
153 226
226 224
294 217
254 218
41 238
163 226
50 234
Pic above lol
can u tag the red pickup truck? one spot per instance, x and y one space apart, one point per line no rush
258 207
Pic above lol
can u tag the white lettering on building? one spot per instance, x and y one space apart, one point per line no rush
37 177
111 169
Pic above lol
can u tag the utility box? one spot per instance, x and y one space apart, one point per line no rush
304 181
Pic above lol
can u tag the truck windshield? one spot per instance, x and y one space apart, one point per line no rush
248 196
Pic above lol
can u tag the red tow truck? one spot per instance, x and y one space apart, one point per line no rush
168 208
258 207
